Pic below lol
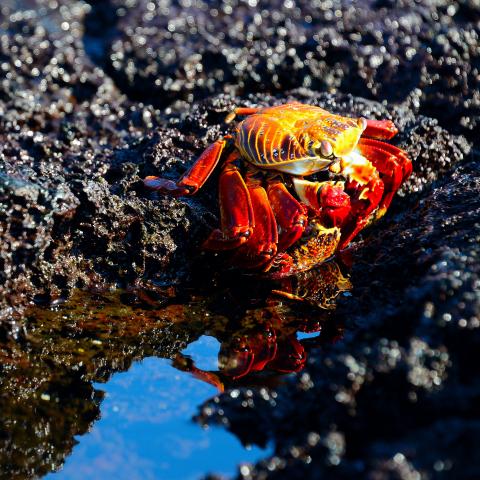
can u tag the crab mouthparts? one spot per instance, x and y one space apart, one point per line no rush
357 167
346 141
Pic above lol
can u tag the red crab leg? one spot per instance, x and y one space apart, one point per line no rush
262 244
236 213
400 154
194 177
291 215
364 199
241 111
387 163
382 129
185 364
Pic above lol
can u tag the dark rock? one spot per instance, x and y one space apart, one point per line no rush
28 216
425 53
95 96
64 129
65 123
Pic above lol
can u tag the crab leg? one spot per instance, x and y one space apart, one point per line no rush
365 199
291 215
185 364
385 130
382 129
194 177
400 154
236 213
385 158
241 111
262 244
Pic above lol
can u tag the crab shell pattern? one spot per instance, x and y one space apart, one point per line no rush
272 218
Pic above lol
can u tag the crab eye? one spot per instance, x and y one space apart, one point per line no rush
362 123
325 149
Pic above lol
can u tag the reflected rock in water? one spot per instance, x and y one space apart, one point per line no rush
42 408
47 378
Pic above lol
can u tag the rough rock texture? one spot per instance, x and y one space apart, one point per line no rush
426 53
72 149
94 96
80 146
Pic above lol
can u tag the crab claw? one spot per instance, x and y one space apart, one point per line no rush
290 214
186 364
291 356
235 359
328 199
248 352
382 129
365 199
165 186
392 163
193 178
335 205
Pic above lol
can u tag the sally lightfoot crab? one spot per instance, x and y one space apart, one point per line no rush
271 216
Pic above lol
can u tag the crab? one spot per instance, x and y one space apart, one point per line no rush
271 217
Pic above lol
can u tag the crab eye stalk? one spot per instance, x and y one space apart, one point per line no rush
362 123
325 149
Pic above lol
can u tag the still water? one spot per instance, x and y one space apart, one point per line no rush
146 431
107 384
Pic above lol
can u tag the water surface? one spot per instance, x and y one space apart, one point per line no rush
146 429
107 385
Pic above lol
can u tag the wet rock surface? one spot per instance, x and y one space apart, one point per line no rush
95 96
424 53
46 379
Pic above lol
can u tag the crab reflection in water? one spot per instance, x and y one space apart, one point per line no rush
50 379
262 342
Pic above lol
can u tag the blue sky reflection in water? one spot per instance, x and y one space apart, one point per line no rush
145 431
